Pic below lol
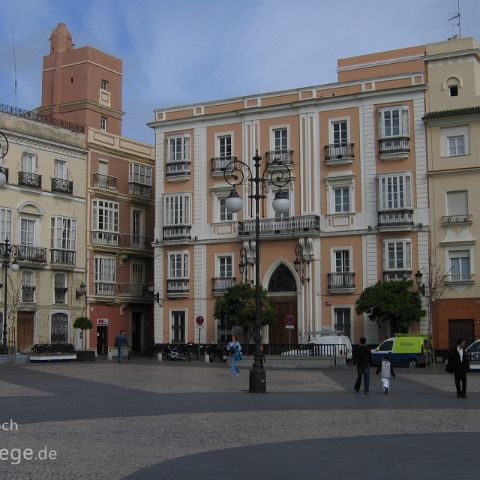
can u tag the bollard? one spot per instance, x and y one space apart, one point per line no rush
207 358
159 357
110 357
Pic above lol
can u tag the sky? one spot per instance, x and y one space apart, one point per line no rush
179 52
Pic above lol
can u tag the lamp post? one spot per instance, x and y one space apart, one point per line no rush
9 261
278 174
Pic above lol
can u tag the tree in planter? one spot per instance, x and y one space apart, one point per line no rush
392 301
238 307
83 324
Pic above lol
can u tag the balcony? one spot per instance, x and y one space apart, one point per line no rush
4 170
134 290
394 147
389 275
395 218
60 295
62 257
62 186
177 232
178 287
221 284
460 278
28 294
456 219
339 153
288 226
177 169
218 164
27 253
105 289
127 240
341 282
107 239
140 190
28 179
279 158
104 181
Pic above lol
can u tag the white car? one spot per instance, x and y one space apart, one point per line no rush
473 352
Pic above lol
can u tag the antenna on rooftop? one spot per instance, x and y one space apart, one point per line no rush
14 65
459 23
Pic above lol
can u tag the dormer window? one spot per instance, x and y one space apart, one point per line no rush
453 90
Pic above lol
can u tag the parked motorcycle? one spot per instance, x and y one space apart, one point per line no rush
173 353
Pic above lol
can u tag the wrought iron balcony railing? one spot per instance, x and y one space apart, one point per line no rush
28 179
175 169
338 152
128 240
341 280
134 290
140 190
28 253
389 275
105 181
279 158
62 257
218 164
60 295
177 286
28 294
108 239
177 232
105 289
273 226
449 219
402 216
220 284
400 144
62 186
460 278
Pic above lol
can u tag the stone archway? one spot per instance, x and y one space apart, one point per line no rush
284 287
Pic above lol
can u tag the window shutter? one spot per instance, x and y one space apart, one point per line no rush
457 203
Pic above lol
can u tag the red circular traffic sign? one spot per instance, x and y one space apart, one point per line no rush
199 320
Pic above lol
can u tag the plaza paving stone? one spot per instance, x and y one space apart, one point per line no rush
156 420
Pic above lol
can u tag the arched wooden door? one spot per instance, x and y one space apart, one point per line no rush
283 284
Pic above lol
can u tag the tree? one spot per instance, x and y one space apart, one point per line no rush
238 307
83 323
392 301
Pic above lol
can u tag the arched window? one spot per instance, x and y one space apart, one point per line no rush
59 328
282 280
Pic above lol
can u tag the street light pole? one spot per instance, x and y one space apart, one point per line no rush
278 174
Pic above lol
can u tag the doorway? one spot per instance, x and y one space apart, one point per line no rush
137 332
102 340
460 329
25 331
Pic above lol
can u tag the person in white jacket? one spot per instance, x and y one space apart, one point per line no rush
386 371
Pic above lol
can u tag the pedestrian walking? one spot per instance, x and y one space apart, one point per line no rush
386 371
235 350
459 365
363 359
120 343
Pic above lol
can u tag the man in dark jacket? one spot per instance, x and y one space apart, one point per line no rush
458 362
363 360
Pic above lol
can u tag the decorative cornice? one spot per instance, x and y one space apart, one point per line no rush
452 113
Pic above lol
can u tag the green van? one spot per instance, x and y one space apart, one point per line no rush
411 350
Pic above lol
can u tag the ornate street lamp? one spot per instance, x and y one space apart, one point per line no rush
278 174
302 262
418 281
9 255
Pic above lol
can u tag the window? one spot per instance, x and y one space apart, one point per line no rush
103 123
177 210
138 273
395 191
29 163
137 229
459 265
105 275
342 199
105 216
342 261
343 323
60 288
280 139
225 266
59 328
178 326
394 122
28 232
178 149
140 174
457 203
453 90
103 167
28 286
178 265
5 224
63 233
225 215
339 132
104 84
60 169
456 145
398 255
224 145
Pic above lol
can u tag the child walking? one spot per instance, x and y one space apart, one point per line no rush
385 369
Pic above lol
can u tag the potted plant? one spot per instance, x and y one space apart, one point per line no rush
84 324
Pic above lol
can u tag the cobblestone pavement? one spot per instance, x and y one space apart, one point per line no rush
148 420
